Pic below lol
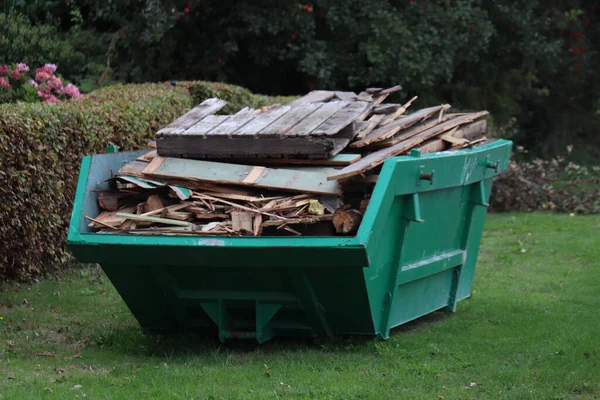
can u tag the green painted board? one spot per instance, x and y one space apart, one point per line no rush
246 175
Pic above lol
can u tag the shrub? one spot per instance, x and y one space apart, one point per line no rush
41 146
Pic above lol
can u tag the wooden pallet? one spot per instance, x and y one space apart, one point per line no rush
316 126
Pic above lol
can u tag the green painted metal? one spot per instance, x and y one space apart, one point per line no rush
415 253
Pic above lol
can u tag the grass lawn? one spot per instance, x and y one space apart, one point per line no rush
531 330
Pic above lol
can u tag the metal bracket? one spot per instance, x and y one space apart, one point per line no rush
424 176
491 164
412 209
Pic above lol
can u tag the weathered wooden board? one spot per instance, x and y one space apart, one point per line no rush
207 107
206 125
341 119
341 160
346 96
316 96
378 157
469 132
390 130
236 174
371 124
221 146
306 126
409 132
261 121
393 116
234 123
284 124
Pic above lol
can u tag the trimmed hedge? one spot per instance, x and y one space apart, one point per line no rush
41 146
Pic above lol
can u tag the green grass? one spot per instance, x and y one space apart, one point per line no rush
530 331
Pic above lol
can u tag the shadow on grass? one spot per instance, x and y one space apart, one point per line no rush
133 341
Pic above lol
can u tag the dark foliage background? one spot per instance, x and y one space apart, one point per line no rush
531 63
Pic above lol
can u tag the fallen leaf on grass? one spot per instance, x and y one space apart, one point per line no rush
471 385
78 355
47 389
76 387
46 354
60 371
10 342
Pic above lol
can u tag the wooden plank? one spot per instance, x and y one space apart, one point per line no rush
346 96
316 96
292 118
207 107
152 219
390 90
466 134
388 108
337 160
236 174
316 118
341 119
262 120
393 116
409 132
133 168
378 157
390 130
148 156
305 220
110 218
153 203
205 125
373 90
234 123
371 125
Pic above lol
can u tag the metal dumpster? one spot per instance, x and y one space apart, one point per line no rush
415 253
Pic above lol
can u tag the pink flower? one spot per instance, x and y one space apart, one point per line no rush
50 67
52 99
33 83
3 69
72 91
43 93
55 84
22 67
16 75
4 83
42 74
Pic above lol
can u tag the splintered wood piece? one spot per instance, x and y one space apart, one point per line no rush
341 119
292 118
262 120
154 202
393 116
201 196
306 220
152 144
110 218
257 225
315 119
206 125
207 107
390 130
291 230
241 221
373 90
372 123
152 219
378 157
346 221
364 96
211 216
98 222
136 181
148 156
386 108
174 207
390 90
316 96
179 215
375 102
236 174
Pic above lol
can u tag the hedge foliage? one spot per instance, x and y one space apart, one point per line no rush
41 146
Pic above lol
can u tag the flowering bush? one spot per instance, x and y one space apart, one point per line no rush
17 85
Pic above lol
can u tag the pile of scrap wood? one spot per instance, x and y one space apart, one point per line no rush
306 168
